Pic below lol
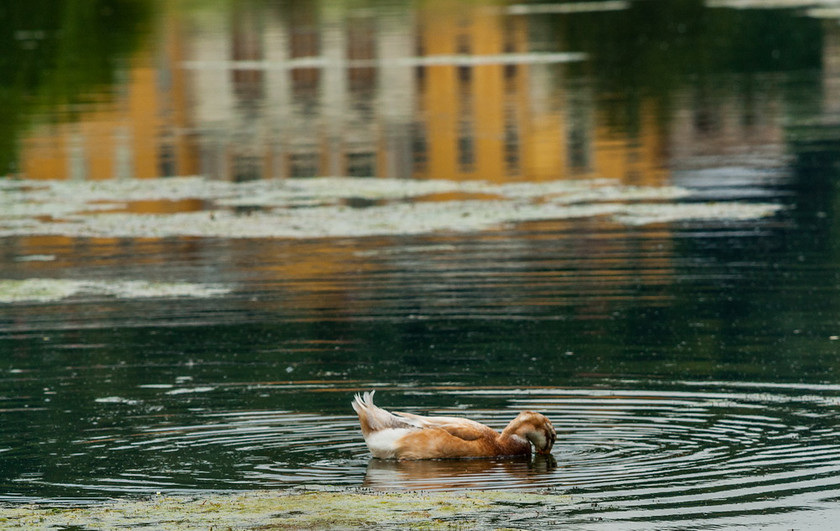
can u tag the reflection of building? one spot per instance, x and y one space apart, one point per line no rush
396 93
319 89
251 91
481 121
312 114
450 91
138 131
739 125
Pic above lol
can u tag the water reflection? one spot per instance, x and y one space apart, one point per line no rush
453 475
694 451
496 93
61 62
323 89
690 360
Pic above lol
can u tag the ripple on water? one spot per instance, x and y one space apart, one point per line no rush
624 454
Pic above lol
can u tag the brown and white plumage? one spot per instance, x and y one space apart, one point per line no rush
407 436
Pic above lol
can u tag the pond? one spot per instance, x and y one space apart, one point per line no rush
218 222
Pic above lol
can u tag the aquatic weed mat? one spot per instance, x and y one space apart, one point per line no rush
341 207
301 508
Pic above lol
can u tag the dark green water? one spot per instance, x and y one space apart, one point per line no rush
690 364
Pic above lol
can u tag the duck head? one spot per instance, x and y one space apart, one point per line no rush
535 428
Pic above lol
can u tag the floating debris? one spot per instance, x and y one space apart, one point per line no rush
190 390
117 400
36 258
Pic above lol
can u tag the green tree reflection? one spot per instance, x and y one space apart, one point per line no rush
653 48
58 54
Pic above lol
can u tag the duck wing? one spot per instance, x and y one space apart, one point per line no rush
445 438
468 430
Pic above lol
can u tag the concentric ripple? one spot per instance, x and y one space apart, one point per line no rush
674 454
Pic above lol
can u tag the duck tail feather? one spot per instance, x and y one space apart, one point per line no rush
374 418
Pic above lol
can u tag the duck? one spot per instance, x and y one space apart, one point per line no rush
405 436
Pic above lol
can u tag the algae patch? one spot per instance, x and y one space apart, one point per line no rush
336 207
49 289
719 211
324 508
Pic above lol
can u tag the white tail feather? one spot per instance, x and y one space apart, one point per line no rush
375 418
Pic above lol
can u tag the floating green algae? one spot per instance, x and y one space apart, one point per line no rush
322 508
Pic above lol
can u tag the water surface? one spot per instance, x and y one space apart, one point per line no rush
621 214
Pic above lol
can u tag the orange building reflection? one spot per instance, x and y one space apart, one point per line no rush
447 91
321 89
265 93
140 129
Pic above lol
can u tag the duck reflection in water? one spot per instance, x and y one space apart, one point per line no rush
404 436
452 474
